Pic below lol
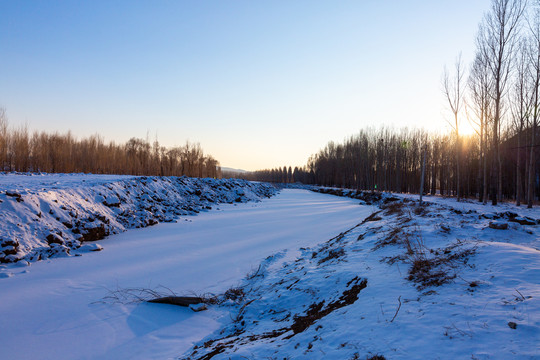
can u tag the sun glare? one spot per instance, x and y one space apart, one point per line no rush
466 128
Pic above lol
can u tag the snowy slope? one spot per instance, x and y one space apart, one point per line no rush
408 282
51 215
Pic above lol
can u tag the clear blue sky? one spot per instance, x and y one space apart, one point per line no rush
258 83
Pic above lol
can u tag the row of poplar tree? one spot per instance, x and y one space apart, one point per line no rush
499 94
387 159
21 150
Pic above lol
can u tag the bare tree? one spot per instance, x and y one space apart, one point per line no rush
520 106
534 26
497 38
480 86
453 92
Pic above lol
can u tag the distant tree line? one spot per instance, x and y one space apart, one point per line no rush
281 175
21 150
387 159
498 94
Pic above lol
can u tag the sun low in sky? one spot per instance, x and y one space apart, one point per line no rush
258 84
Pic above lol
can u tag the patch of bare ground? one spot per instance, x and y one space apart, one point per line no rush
373 217
317 311
356 356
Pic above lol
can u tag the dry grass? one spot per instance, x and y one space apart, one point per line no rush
136 295
393 208
428 267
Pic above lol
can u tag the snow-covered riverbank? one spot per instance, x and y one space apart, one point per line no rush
52 214
446 280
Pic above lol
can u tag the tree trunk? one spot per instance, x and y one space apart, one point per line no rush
422 177
458 180
485 184
530 192
479 186
434 172
518 170
495 155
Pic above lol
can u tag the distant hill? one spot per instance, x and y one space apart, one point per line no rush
231 170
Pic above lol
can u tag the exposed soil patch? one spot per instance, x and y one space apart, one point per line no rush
16 195
373 217
333 254
317 311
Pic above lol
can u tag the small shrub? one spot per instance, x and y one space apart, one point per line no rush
376 357
428 272
420 211
391 238
393 208
234 294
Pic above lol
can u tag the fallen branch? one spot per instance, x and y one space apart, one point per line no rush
178 300
399 307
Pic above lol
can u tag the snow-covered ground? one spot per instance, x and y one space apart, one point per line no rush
64 308
300 275
408 282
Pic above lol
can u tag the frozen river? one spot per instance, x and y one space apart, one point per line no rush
52 309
